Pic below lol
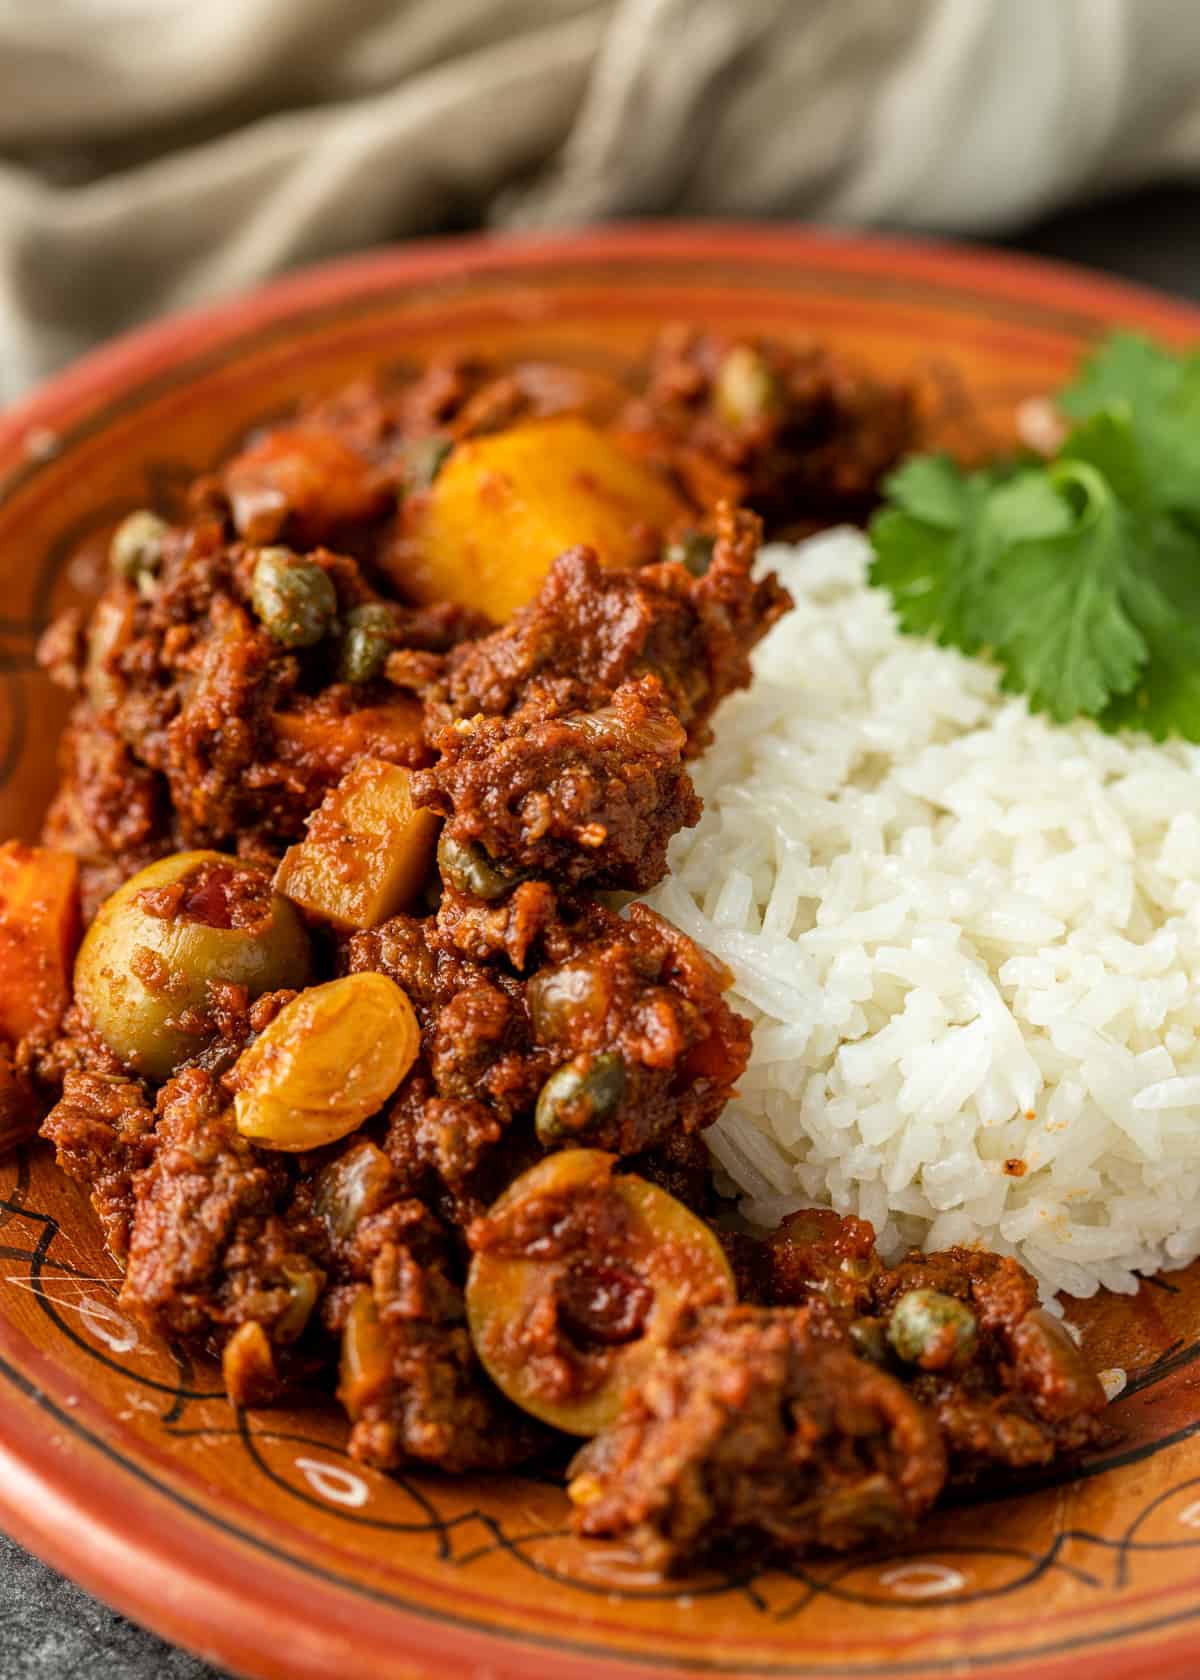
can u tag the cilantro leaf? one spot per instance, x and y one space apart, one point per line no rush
1106 441
933 489
1159 394
1167 700
1061 624
933 548
1080 576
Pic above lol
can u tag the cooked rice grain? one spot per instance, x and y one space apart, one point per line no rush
969 940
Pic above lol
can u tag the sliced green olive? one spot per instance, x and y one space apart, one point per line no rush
744 390
582 1094
578 1273
293 598
368 636
145 966
932 1330
137 545
327 1062
468 869
693 551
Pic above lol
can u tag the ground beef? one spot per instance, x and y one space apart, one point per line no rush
102 1129
586 797
410 1381
211 1246
758 1429
631 989
801 434
589 631
1027 1395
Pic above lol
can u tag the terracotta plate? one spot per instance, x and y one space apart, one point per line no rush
251 1537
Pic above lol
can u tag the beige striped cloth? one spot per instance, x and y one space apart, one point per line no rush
155 153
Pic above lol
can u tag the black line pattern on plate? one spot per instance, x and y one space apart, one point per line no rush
467 1537
926 1578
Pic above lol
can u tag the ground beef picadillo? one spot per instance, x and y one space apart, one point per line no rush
554 749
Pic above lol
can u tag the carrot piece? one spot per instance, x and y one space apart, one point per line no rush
323 741
39 933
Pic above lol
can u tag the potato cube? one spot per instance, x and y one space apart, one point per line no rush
368 849
505 506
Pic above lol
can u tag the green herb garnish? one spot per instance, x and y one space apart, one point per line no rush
1079 575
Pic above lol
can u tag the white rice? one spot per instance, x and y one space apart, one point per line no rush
966 937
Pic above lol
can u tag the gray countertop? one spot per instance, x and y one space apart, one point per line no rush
49 1630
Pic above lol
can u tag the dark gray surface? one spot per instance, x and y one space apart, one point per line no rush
49 1630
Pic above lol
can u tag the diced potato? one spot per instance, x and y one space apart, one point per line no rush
504 506
368 849
324 742
39 931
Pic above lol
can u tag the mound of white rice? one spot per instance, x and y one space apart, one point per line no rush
969 941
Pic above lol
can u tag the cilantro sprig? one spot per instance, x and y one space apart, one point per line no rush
1078 575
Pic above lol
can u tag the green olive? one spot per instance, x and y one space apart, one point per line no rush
136 548
468 869
293 598
579 1273
146 963
368 636
744 390
581 1094
693 551
932 1330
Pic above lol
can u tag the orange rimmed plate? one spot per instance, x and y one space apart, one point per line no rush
251 1537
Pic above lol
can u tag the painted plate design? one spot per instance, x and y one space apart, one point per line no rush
250 1536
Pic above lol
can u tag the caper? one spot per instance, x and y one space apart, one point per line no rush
424 458
367 639
293 597
468 869
579 1095
693 551
869 1340
136 548
744 390
932 1330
